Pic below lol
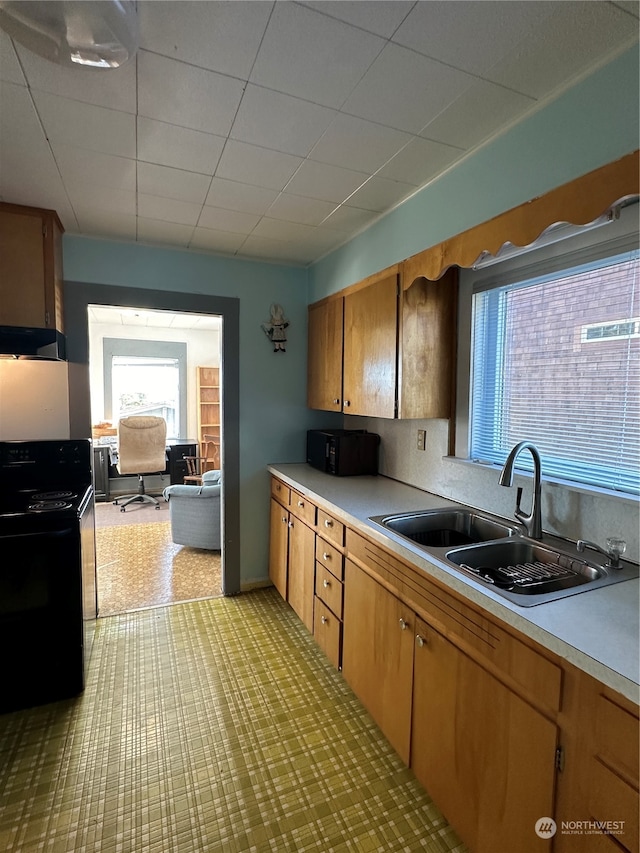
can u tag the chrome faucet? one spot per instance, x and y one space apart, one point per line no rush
615 549
533 521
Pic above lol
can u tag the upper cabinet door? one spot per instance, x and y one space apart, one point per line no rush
324 361
370 349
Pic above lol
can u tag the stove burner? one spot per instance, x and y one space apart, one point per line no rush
53 496
45 506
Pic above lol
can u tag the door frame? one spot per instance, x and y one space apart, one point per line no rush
77 298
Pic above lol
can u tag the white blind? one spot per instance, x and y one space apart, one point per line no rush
556 361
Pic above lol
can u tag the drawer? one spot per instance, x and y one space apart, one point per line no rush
330 528
329 556
302 508
329 590
617 737
327 632
612 799
280 492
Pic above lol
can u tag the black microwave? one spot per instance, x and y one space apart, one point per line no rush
343 452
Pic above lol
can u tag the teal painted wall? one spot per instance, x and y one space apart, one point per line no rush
273 413
592 124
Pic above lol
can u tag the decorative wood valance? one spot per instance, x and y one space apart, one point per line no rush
579 202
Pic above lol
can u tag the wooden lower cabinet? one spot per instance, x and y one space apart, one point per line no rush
301 570
485 756
377 654
278 547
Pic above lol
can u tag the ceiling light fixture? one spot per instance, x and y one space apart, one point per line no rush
553 234
101 34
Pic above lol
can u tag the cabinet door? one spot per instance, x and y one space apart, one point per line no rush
301 570
324 358
370 337
377 654
22 301
485 756
278 547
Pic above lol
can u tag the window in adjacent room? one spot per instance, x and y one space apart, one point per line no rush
556 361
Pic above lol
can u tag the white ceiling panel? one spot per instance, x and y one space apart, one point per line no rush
172 183
279 130
382 17
330 183
222 37
354 143
183 94
405 90
313 56
172 145
87 126
251 164
246 198
219 219
279 121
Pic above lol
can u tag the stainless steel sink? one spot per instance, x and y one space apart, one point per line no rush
528 572
445 528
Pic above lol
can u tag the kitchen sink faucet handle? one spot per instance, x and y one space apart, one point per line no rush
615 549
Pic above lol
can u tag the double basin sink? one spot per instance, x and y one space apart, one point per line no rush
499 556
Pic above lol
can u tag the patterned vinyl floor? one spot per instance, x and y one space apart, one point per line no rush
216 725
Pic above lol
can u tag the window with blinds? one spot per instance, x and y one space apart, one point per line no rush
556 361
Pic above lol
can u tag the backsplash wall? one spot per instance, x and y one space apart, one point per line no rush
572 513
34 400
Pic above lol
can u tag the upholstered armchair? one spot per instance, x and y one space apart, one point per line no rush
194 512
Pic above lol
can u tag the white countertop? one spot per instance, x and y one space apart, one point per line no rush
598 631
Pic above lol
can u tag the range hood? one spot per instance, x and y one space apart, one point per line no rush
24 342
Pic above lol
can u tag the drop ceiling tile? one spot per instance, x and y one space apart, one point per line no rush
279 121
630 6
170 145
382 17
113 225
10 70
94 168
104 199
168 209
245 198
571 40
262 248
380 194
165 233
261 167
468 34
104 130
222 37
216 241
313 56
405 90
419 161
479 112
330 183
182 94
114 89
348 219
278 229
294 208
354 143
218 219
172 183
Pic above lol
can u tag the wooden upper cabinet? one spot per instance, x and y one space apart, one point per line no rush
324 362
30 267
428 346
370 351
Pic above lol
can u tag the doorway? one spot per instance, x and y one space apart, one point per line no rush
151 363
78 297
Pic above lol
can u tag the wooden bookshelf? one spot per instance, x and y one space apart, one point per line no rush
208 384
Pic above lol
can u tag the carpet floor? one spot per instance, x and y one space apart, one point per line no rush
139 566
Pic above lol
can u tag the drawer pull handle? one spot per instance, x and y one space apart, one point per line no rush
328 522
324 620
421 641
326 583
403 624
291 524
326 555
300 503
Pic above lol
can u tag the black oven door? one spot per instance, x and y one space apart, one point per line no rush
41 611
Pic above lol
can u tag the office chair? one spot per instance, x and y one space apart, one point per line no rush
141 450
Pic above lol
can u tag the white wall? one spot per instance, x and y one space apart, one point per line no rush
34 400
203 350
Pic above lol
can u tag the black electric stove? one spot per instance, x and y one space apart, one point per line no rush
48 570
